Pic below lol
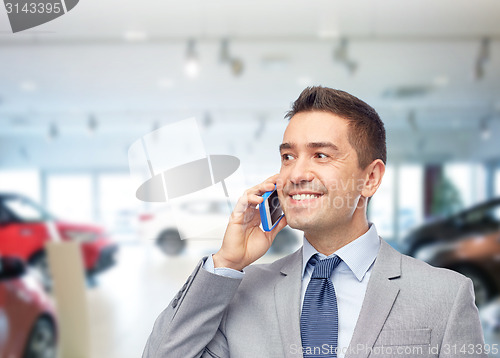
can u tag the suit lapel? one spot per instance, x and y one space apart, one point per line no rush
380 295
287 300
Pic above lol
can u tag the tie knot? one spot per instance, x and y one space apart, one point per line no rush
323 268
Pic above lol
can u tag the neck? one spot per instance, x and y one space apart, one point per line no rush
329 241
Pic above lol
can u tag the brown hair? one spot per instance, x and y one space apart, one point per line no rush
366 131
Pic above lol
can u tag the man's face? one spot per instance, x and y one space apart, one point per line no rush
320 180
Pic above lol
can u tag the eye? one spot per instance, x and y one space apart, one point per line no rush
321 155
286 156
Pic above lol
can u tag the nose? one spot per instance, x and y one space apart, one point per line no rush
300 171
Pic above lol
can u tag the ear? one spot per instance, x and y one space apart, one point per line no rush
373 177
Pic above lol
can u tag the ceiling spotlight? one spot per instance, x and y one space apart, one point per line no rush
224 56
484 127
482 59
53 132
192 64
341 55
92 124
236 64
237 67
412 120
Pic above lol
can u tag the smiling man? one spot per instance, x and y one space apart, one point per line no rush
345 292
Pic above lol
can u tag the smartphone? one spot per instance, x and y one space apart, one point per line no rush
270 210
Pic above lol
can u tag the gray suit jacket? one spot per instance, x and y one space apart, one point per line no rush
410 309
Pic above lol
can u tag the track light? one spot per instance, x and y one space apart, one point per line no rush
412 120
224 56
53 132
341 55
236 64
192 65
237 67
482 59
92 124
484 128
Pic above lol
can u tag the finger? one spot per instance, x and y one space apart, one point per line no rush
253 196
262 188
247 200
280 183
266 185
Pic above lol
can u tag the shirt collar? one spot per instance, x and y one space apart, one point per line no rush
358 255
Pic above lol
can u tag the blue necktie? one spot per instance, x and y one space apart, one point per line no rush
319 319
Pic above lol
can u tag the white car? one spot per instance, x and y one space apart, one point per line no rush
201 223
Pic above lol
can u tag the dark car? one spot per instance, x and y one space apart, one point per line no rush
467 242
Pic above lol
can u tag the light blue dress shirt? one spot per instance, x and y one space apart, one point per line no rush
350 278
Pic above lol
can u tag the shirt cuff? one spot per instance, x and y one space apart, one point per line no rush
221 271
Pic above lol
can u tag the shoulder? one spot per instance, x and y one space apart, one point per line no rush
431 290
407 267
420 278
419 270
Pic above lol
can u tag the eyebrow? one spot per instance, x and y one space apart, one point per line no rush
310 145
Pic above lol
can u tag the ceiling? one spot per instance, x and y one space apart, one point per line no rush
120 65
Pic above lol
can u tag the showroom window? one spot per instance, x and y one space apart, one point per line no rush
26 182
497 183
410 198
118 207
381 208
470 181
70 196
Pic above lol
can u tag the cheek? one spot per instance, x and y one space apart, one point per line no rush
280 181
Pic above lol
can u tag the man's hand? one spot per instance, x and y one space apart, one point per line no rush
244 241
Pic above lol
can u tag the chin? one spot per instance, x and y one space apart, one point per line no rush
301 224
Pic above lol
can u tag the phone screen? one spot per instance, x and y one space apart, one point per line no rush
274 207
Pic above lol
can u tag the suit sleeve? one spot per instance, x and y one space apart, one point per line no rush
463 336
193 323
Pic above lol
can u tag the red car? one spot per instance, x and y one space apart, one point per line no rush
28 327
24 232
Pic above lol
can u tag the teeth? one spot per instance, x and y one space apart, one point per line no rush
304 196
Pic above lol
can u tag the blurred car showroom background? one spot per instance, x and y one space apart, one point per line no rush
77 92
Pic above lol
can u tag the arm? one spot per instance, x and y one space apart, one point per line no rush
190 325
463 329
193 323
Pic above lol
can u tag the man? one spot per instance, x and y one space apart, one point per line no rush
376 302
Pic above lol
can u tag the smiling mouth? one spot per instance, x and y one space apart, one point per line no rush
303 197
